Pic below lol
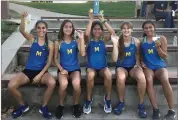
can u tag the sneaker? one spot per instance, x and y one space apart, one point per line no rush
44 111
120 107
107 105
156 114
59 112
77 111
21 109
87 106
171 115
141 111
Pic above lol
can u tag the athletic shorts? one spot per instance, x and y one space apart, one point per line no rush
127 68
97 70
31 73
69 72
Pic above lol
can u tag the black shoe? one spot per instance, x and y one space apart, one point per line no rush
77 111
59 112
156 114
171 115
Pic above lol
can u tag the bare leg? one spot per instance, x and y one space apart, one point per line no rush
138 74
121 78
149 75
63 82
90 82
106 74
162 75
76 79
51 83
15 83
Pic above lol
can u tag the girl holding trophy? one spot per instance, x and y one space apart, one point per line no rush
97 60
154 52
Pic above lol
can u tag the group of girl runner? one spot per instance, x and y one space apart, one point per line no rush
143 60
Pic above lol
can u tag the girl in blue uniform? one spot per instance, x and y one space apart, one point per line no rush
40 57
66 59
153 57
127 58
97 60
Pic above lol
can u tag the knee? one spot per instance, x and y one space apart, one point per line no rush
51 83
121 80
141 79
149 81
76 84
63 85
108 75
90 76
11 85
164 80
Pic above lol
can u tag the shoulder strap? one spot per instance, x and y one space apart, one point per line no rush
35 39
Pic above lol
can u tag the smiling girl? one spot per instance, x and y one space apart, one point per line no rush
154 54
127 58
97 60
36 69
66 59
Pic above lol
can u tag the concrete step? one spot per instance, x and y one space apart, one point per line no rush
52 35
22 57
33 95
172 73
130 113
114 23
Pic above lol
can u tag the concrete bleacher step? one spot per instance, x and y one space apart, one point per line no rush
169 36
130 113
137 23
172 74
33 95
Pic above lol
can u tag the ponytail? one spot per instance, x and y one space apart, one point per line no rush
46 40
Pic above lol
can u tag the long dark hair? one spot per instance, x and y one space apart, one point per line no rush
147 22
93 25
46 25
61 33
121 39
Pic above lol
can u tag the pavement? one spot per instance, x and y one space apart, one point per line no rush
37 12
130 113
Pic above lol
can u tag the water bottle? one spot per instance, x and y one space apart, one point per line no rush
175 41
28 19
96 7
76 37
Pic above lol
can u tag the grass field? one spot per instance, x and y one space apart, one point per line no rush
111 9
7 28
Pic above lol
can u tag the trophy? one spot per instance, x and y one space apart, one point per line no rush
96 7
156 39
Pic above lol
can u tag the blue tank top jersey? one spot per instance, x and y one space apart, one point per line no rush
150 55
38 56
69 55
96 54
129 60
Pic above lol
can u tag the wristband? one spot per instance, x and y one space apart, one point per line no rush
104 21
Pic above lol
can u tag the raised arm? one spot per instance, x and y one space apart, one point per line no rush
105 23
88 28
27 35
115 52
108 27
81 43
